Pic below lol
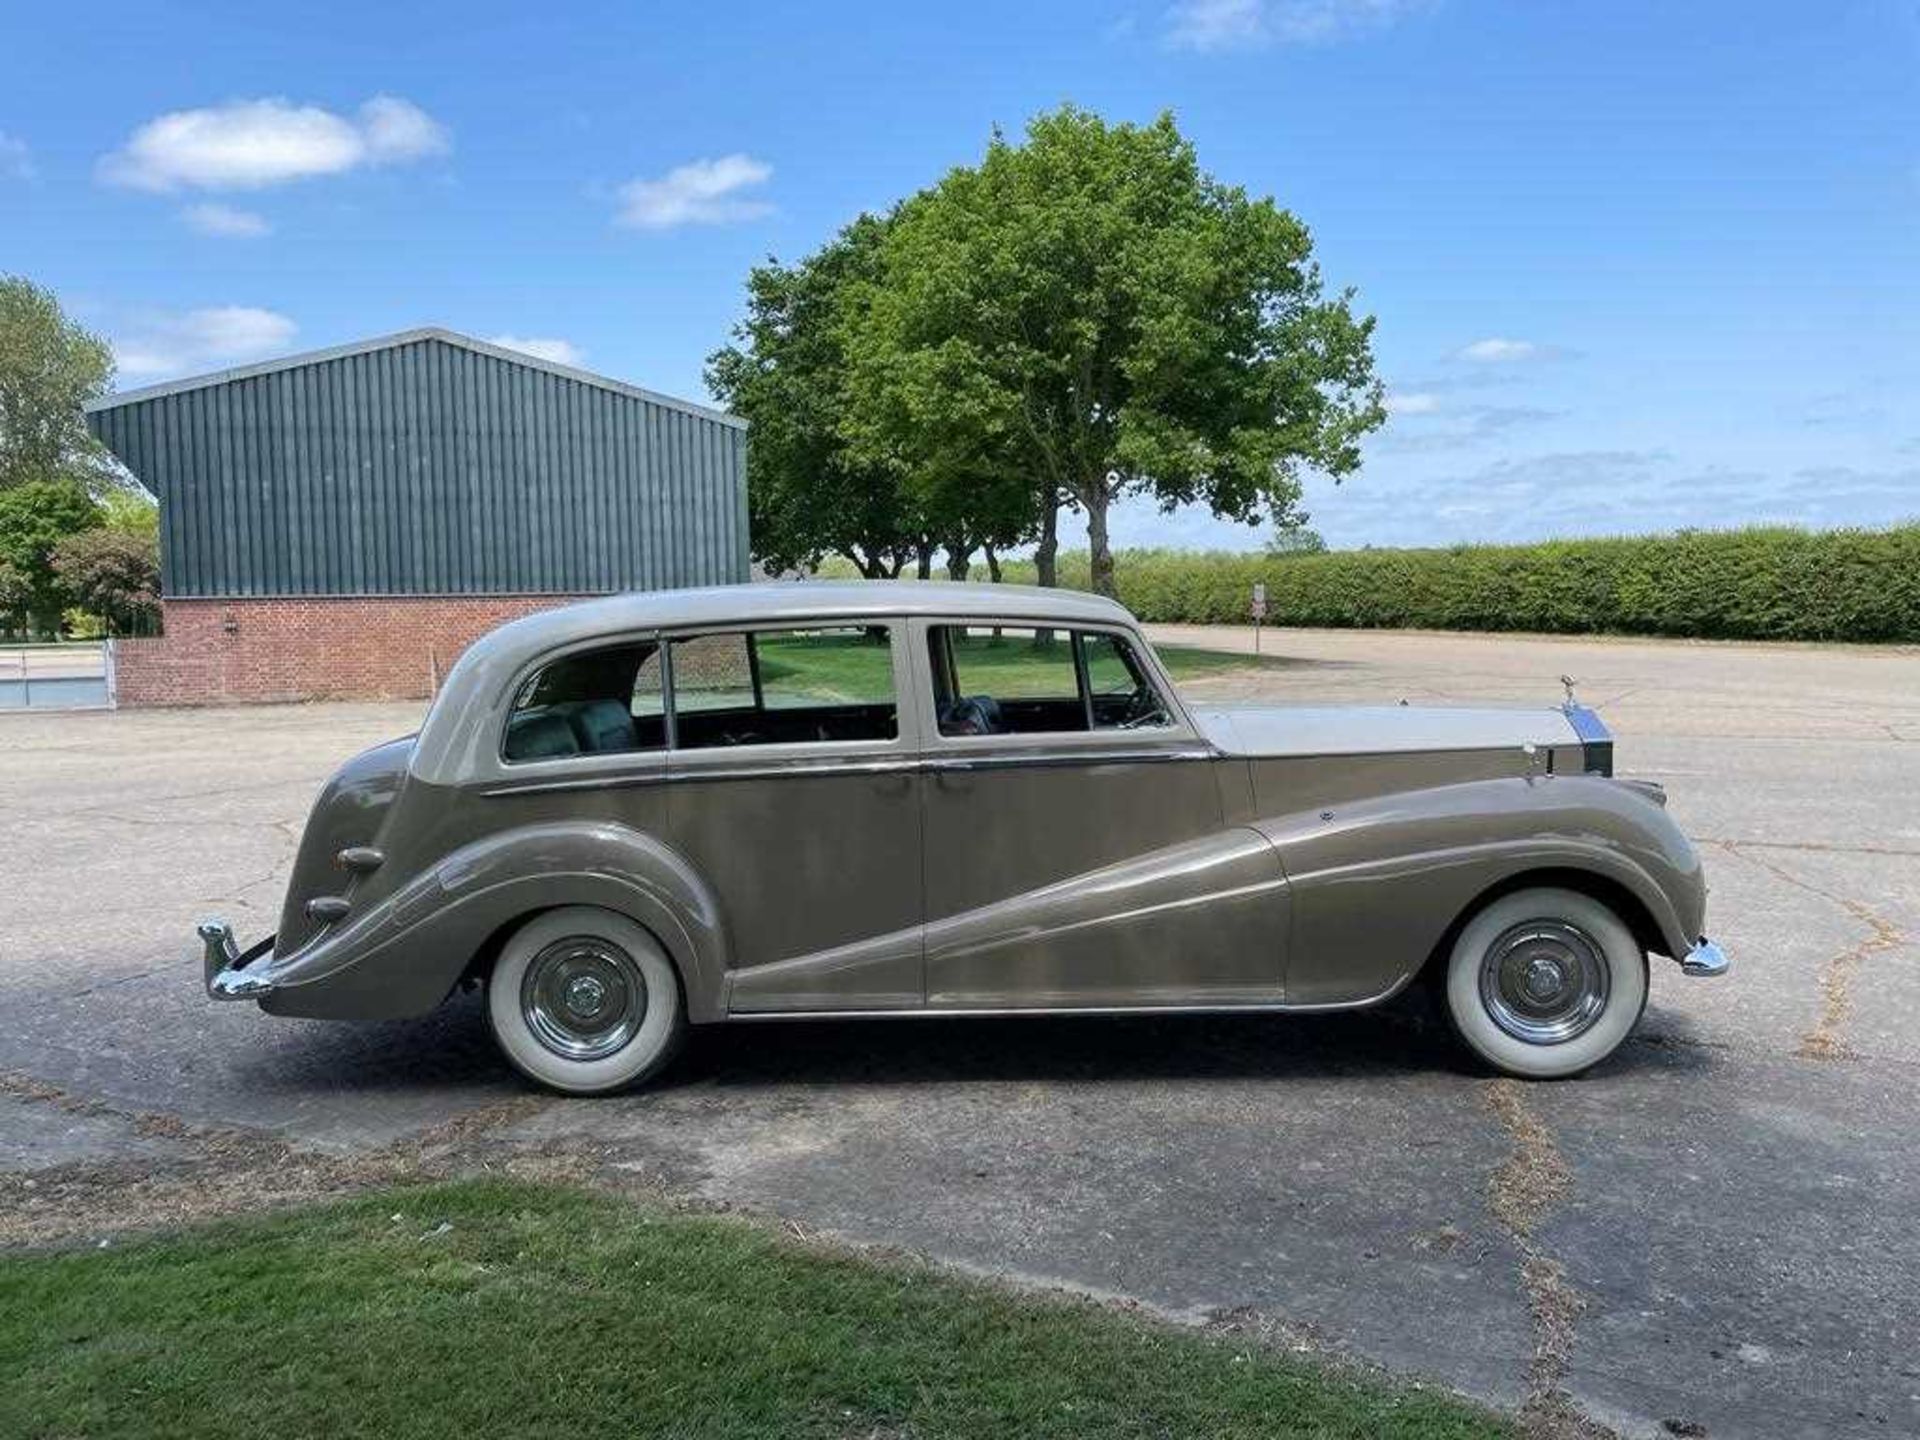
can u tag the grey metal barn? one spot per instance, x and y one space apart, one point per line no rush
428 463
420 466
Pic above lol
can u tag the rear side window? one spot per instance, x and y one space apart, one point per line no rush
589 703
734 687
772 687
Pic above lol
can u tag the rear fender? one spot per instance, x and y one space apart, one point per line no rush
404 956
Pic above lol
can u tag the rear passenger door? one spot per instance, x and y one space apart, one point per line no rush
792 791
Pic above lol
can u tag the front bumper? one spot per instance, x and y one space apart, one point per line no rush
224 964
1705 960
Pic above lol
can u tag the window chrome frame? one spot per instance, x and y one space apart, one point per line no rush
1180 738
629 767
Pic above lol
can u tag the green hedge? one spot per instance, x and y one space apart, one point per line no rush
1758 584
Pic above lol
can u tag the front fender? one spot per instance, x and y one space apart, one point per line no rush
1377 883
406 954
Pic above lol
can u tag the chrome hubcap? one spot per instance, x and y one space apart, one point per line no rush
1544 982
583 998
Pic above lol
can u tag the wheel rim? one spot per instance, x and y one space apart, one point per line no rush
1544 982
583 998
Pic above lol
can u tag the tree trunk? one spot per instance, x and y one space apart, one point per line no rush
993 565
959 562
1046 554
1101 556
926 559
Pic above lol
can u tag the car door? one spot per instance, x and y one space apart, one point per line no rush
1075 850
793 793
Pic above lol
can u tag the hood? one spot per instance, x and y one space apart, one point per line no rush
1263 731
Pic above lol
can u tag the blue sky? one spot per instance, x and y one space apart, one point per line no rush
1635 265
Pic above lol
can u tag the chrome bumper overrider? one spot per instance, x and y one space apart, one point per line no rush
1705 959
225 964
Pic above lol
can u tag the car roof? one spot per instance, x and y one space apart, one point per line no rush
451 747
780 600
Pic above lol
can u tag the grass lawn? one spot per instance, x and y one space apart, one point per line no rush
484 1309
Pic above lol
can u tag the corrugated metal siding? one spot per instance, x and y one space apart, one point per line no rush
427 468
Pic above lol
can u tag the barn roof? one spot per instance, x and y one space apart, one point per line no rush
390 342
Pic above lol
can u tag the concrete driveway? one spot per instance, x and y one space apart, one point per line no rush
1713 1234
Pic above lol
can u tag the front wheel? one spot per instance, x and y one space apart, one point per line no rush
1545 983
585 1001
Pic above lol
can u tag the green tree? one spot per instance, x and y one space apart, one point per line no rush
808 496
49 368
35 516
1289 540
131 511
114 574
1092 310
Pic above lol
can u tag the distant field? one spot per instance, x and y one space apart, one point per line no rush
1760 583
496 1309
851 668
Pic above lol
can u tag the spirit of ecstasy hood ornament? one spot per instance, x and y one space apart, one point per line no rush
1567 681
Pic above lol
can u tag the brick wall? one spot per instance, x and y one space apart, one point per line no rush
296 648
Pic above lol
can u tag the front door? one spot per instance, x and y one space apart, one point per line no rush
1075 850
793 793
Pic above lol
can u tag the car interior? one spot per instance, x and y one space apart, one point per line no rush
1108 688
584 705
610 701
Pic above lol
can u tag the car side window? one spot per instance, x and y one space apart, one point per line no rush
1004 680
773 687
589 703
712 672
1120 695
1023 680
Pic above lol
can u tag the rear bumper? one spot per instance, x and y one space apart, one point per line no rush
1705 960
224 964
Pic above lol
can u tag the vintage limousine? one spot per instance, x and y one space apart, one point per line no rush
637 814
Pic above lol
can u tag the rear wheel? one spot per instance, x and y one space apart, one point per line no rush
585 1001
1545 983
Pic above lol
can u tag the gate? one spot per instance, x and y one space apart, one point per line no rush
57 676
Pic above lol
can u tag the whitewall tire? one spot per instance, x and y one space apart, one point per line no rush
1545 983
585 1000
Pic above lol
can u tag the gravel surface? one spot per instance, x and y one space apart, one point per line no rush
1710 1235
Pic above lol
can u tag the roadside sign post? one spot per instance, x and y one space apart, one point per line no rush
1259 611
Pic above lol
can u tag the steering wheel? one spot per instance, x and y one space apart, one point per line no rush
1142 710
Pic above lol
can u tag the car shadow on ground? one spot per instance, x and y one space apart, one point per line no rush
451 1050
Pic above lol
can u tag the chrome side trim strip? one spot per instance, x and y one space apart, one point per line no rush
947 763
811 766
1002 1012
661 775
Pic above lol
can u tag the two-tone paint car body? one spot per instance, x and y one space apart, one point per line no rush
1120 849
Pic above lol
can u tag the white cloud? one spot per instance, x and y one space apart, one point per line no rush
16 160
1208 25
1419 402
167 343
1215 25
560 352
1458 427
225 222
1497 350
703 192
250 144
396 131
